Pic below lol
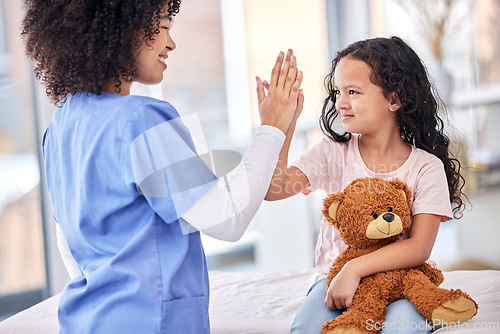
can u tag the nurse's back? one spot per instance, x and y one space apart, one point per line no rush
133 263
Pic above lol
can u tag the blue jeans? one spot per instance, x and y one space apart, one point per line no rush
401 316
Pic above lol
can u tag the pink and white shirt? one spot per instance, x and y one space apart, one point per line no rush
331 166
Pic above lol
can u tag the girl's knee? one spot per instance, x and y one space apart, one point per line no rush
313 313
311 322
402 317
402 308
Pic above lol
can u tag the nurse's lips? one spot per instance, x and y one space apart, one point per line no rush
163 59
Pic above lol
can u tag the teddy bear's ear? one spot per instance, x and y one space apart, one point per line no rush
403 188
331 204
332 211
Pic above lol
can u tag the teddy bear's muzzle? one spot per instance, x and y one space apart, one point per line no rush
384 226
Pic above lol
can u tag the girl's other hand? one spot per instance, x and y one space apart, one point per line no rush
342 288
284 101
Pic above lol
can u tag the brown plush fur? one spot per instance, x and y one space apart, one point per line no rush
367 201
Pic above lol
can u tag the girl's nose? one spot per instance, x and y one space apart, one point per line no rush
341 103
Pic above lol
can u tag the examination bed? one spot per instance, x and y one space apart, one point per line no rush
267 303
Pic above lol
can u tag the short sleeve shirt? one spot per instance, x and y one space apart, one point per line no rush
331 166
121 171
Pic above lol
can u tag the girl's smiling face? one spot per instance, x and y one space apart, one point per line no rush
361 104
151 61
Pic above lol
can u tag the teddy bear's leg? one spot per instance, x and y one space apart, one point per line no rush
366 315
437 305
459 309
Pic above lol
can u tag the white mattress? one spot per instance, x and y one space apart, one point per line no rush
267 303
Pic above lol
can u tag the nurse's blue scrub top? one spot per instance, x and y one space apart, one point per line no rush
121 171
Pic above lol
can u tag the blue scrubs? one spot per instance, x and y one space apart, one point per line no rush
121 171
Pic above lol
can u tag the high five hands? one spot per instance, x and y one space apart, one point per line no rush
284 100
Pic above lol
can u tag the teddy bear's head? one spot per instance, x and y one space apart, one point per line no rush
369 212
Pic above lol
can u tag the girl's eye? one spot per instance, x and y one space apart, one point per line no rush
336 92
374 215
351 92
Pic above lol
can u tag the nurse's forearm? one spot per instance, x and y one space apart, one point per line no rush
225 213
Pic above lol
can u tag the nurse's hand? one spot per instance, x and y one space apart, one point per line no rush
283 103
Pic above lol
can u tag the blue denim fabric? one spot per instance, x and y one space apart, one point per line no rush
401 317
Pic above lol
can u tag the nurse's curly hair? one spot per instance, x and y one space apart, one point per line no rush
397 69
77 45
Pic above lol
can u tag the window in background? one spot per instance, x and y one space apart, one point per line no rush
467 69
469 66
23 279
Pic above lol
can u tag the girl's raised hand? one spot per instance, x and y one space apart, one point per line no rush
284 100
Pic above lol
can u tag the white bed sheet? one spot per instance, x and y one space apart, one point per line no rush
484 287
256 302
267 303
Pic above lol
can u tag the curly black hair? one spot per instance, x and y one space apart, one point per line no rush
77 45
396 68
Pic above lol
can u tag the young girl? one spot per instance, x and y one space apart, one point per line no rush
127 188
381 92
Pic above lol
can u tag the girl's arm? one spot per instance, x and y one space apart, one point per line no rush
402 254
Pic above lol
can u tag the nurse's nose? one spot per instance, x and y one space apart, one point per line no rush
170 42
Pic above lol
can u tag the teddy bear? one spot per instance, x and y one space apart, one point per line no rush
369 214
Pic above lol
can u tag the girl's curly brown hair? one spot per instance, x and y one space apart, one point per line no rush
398 69
77 45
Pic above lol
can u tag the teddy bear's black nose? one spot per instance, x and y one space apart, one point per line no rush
389 217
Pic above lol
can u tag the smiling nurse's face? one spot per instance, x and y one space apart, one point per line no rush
152 59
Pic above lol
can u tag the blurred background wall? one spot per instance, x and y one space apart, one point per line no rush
221 46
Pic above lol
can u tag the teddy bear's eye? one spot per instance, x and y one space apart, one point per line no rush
389 209
374 215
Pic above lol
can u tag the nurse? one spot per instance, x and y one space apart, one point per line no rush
128 191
